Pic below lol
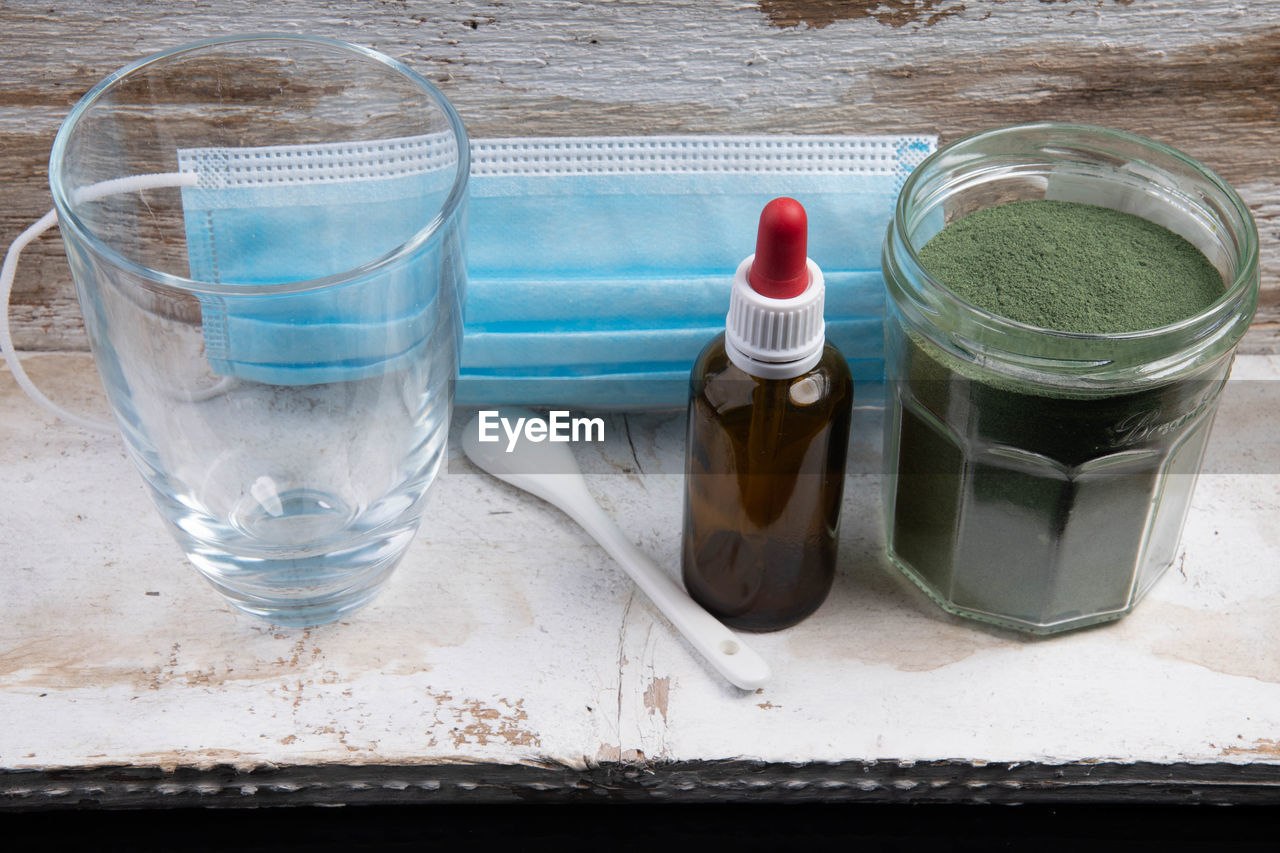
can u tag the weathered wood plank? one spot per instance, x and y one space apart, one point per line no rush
509 658
1203 76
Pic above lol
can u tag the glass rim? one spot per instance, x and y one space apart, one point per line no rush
67 217
1246 273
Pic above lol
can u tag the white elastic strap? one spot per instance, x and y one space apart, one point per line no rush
93 192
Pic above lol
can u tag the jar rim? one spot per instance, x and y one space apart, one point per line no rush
1240 293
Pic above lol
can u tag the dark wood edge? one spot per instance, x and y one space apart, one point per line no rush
694 781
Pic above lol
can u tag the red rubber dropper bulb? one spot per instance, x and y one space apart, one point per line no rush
780 269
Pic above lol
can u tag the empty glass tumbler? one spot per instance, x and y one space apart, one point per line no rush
266 239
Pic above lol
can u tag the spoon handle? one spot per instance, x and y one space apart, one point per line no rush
721 647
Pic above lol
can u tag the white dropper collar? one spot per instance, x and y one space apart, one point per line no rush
775 338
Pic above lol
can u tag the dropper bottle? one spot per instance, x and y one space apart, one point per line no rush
769 408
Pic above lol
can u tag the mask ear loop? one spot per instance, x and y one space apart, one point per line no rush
93 192
6 341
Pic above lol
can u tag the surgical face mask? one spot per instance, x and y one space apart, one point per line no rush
271 215
598 267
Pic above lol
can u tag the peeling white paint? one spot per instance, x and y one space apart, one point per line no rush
507 636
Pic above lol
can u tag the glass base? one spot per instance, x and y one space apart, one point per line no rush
309 590
298 553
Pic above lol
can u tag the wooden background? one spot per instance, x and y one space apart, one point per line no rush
1203 76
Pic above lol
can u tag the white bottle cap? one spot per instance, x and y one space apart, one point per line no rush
775 338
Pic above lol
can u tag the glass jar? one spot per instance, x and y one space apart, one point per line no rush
1038 479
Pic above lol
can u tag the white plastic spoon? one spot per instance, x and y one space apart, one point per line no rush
548 470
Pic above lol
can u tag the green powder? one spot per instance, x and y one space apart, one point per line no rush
1072 267
1015 503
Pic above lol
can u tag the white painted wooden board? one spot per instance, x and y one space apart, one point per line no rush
508 639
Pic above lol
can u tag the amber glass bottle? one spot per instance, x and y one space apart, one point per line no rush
769 411
764 482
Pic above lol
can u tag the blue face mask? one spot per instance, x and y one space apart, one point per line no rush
259 216
597 267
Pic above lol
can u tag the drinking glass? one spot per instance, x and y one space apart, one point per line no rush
292 467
